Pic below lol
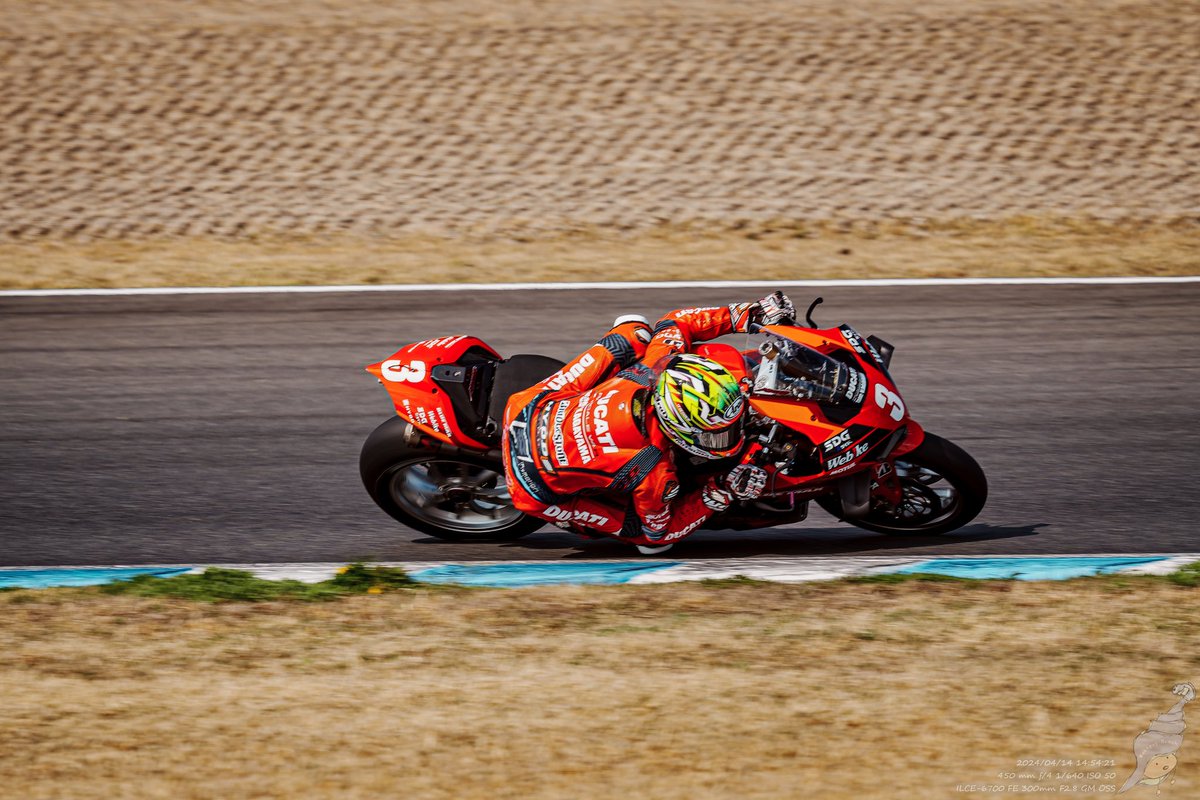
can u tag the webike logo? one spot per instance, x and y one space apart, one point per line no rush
397 371
846 458
561 378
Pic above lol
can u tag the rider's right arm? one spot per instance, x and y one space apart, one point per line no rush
620 347
678 330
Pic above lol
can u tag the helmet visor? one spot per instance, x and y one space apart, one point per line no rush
722 439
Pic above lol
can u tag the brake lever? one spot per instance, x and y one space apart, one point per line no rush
808 314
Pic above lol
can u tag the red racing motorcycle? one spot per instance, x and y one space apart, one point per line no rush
830 420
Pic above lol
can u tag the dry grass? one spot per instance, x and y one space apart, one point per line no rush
682 691
1021 247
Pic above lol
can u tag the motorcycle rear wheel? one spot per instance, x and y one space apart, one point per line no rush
943 488
453 494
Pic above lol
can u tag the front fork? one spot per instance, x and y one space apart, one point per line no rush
885 488
886 491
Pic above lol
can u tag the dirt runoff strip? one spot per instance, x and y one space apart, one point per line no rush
1022 247
719 690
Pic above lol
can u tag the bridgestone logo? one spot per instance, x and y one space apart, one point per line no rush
560 417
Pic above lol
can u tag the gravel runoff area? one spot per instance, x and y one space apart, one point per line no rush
467 121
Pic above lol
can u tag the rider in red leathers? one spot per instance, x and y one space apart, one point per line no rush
593 447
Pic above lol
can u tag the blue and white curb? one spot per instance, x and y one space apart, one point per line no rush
1037 568
540 573
46 577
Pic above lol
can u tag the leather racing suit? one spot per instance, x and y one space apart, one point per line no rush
583 449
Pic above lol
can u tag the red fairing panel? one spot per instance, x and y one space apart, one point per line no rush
406 375
882 410
916 435
727 356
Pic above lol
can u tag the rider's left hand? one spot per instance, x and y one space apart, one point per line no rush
746 481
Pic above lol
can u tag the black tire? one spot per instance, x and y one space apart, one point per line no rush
929 507
462 489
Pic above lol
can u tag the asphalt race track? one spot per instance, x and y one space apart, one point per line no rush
226 428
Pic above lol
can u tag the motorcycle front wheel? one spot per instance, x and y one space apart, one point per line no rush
454 495
942 489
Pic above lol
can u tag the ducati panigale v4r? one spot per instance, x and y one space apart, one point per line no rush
831 423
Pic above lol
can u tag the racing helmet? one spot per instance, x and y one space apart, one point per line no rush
699 406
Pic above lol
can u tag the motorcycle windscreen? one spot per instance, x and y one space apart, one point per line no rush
822 378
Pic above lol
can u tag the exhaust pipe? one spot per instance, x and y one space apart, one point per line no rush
414 437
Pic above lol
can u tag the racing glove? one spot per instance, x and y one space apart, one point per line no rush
744 482
715 497
772 309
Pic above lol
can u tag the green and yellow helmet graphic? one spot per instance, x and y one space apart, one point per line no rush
699 406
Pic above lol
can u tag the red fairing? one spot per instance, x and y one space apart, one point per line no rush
406 375
915 435
727 356
844 446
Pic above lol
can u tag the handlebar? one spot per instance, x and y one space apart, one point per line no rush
755 327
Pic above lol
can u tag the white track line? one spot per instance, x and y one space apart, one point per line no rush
594 285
